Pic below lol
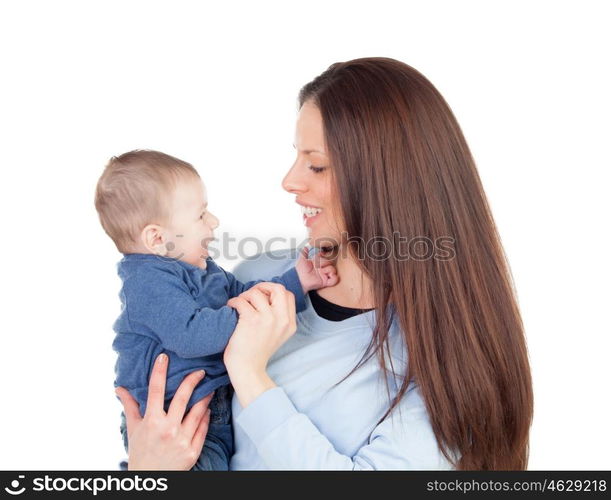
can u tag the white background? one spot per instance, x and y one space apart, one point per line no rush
216 84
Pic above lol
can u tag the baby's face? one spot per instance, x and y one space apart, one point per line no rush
192 227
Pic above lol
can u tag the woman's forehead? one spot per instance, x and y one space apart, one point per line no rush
309 132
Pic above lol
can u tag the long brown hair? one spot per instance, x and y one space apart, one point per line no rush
401 164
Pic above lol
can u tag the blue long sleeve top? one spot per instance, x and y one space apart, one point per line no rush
171 306
308 422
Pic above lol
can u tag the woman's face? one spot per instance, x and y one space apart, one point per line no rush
310 179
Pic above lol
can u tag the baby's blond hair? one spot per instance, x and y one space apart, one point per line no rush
136 189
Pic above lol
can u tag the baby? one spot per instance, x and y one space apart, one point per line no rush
154 207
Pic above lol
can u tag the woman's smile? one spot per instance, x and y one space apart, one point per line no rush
310 214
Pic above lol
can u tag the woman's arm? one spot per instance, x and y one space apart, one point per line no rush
160 440
267 319
286 438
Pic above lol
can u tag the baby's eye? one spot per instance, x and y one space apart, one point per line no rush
202 215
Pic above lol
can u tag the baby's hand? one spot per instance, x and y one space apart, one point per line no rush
316 273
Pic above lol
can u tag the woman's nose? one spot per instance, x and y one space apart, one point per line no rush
292 182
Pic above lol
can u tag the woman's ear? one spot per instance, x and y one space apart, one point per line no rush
154 240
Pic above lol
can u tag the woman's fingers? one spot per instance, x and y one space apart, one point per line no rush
131 408
241 305
257 297
193 418
270 288
177 408
158 441
200 434
277 292
281 301
154 402
290 310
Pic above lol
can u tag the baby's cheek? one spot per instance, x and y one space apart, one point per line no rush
195 248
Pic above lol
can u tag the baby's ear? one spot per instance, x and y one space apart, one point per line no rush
153 239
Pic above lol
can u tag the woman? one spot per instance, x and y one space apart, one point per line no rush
381 162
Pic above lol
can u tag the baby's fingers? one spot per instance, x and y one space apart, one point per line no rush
330 277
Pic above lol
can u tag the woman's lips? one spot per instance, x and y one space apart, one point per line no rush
308 221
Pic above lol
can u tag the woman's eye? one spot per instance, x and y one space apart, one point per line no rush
316 170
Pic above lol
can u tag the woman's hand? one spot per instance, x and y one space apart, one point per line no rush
267 320
160 440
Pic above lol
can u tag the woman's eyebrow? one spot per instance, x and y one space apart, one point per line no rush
308 151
